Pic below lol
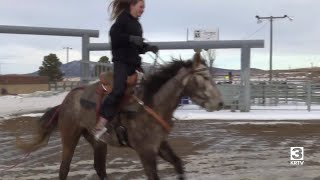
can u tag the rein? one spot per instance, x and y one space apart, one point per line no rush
157 117
149 110
165 125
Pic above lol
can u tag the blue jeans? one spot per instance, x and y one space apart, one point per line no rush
120 73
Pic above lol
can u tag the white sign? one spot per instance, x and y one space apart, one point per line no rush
296 155
206 34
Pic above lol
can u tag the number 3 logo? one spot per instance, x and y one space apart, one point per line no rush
297 153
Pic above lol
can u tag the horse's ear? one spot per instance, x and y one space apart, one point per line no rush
196 59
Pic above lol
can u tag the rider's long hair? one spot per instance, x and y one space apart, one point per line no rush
117 6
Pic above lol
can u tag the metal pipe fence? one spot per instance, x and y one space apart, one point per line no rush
302 95
63 86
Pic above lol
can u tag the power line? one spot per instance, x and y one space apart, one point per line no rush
259 29
271 19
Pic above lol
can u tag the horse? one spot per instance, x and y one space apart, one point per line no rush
161 92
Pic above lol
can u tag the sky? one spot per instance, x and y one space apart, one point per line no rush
295 42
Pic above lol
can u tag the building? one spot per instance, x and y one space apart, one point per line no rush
21 84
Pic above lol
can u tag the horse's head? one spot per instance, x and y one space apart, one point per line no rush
199 86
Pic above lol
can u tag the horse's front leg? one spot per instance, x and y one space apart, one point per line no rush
149 161
100 153
166 153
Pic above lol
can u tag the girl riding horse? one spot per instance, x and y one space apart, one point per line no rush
126 46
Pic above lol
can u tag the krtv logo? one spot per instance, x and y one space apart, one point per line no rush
296 156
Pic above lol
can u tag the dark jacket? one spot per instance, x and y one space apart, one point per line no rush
122 49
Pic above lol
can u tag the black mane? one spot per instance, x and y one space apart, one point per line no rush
156 80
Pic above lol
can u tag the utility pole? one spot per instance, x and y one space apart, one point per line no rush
271 18
67 48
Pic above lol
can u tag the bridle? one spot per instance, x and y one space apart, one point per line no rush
192 72
165 125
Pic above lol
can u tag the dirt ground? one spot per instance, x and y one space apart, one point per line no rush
240 150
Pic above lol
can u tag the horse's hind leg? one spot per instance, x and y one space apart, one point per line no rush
100 153
69 143
169 155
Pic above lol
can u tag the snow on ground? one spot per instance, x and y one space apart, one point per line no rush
192 112
211 149
40 101
26 103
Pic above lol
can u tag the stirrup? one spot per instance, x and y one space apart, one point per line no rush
121 133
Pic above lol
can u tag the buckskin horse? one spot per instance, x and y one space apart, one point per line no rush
161 92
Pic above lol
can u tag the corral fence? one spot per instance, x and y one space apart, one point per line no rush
302 95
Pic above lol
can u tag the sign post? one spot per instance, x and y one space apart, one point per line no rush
207 35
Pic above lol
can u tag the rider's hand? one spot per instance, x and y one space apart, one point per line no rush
140 69
153 49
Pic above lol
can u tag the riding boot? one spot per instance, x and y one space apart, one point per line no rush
121 132
100 129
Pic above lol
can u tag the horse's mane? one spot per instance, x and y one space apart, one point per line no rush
155 81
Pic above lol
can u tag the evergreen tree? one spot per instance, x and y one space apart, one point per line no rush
51 68
104 59
100 68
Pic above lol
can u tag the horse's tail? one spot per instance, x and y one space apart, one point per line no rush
45 126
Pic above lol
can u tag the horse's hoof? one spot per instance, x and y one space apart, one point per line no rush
181 177
104 178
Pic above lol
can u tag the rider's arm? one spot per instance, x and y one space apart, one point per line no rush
144 48
118 34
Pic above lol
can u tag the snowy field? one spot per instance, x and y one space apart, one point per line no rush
219 145
39 101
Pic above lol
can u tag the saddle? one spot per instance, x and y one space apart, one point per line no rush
106 87
94 95
106 79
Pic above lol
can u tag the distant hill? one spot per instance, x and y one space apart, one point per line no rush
71 69
221 71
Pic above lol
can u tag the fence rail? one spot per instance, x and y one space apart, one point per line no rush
302 95
63 86
279 95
